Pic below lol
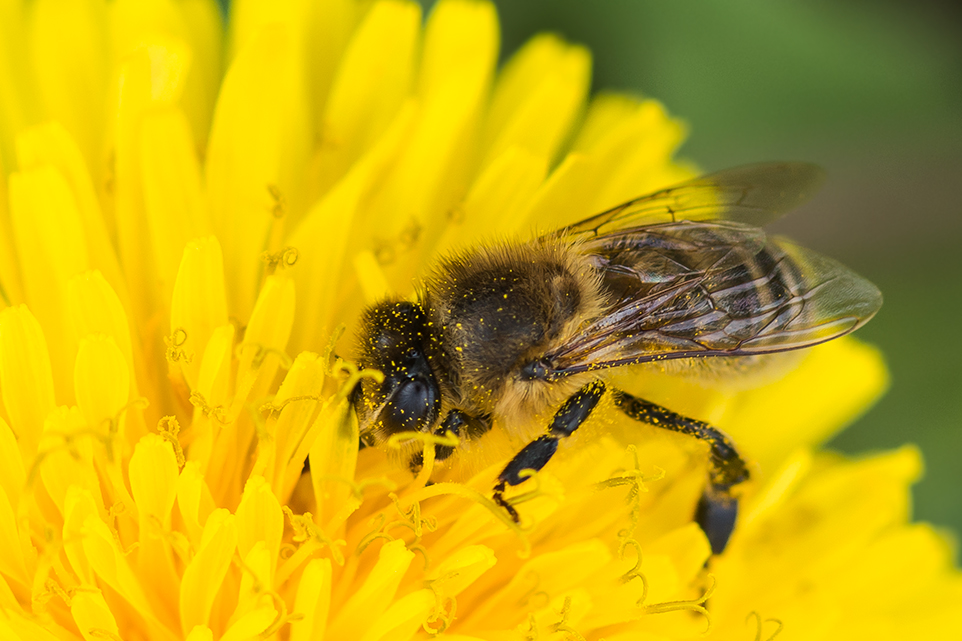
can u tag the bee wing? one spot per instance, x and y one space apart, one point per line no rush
714 288
754 194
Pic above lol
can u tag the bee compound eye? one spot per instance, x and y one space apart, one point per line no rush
413 406
357 394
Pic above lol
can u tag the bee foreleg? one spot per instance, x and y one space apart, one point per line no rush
536 454
456 421
718 508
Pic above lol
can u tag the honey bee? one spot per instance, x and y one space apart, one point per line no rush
499 334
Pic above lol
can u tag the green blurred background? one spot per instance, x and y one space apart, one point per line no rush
871 91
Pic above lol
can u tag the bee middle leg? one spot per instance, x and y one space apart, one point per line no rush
718 508
536 454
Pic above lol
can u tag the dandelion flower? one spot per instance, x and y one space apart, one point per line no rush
189 212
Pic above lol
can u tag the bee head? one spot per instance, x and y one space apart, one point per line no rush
393 334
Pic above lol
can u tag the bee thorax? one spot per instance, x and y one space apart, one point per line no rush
501 309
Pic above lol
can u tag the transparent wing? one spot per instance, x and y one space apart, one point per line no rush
717 288
754 194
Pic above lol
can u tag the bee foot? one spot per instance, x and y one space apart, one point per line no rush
499 499
716 514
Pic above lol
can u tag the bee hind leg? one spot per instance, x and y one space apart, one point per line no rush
718 508
536 454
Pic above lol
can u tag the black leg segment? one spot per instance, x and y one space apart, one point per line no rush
536 454
717 509
716 515
576 410
458 423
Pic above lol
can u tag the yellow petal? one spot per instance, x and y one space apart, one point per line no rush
213 385
19 626
94 308
213 380
545 620
52 249
289 438
861 499
198 24
372 82
685 550
430 178
151 79
153 478
403 618
458 570
607 112
260 138
51 144
265 339
205 26
259 519
172 192
563 198
332 218
110 564
634 158
78 506
313 600
258 572
801 544
19 103
200 633
250 17
498 199
328 25
538 95
461 38
70 55
25 376
12 476
135 24
252 624
554 571
12 562
917 553
883 498
66 451
834 383
333 458
92 614
11 289
370 276
205 573
779 483
199 303
153 485
193 501
102 383
630 158
373 597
